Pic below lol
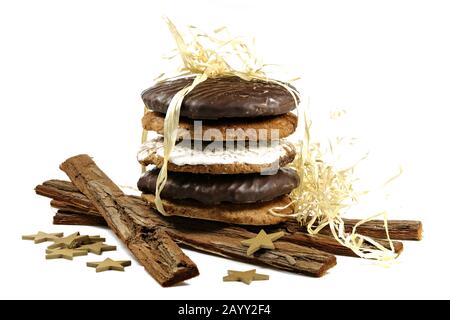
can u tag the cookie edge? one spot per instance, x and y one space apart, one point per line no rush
249 214
285 123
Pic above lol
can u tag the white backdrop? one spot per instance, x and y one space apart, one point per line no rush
71 74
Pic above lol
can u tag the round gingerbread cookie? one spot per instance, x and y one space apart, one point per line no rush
219 157
232 129
257 214
227 97
223 188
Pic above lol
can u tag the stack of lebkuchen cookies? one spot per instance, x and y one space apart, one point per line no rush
229 163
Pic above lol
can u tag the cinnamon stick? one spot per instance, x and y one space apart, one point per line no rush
190 226
150 244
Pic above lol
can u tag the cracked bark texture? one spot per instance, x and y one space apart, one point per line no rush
150 244
211 237
76 209
68 198
71 214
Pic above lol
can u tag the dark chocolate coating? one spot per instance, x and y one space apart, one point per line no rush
215 98
214 188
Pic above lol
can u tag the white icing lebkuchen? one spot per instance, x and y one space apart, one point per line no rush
258 153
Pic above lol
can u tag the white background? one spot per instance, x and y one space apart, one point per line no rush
71 74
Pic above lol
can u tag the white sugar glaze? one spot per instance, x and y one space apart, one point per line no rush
184 154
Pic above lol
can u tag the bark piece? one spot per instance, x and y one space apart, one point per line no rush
215 239
76 218
151 245
67 197
294 233
225 242
320 242
398 229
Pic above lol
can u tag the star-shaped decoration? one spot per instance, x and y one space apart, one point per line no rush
42 236
245 276
94 239
97 247
64 253
71 241
109 264
261 241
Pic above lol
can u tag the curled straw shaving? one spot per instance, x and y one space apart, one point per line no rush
324 193
205 56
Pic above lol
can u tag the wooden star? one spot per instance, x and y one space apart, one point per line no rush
94 239
42 236
245 276
71 241
85 240
64 253
109 264
97 247
261 241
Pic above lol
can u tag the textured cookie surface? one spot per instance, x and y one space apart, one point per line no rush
222 188
218 158
215 98
261 128
246 214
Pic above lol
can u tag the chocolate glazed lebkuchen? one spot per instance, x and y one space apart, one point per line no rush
229 185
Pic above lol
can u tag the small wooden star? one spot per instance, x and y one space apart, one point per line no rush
245 276
97 247
94 239
109 264
42 236
64 253
71 241
261 241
